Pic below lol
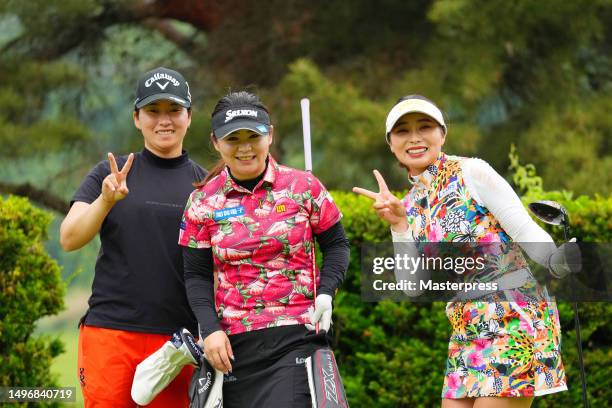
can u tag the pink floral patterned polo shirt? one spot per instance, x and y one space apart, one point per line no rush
262 244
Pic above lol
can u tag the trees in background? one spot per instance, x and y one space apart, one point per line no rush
536 74
31 288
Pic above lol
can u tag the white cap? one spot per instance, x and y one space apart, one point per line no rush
414 105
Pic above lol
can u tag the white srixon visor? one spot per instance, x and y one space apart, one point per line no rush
414 105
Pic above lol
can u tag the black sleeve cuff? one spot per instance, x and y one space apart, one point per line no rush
199 284
335 247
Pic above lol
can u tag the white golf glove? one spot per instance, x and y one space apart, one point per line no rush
158 370
565 260
321 313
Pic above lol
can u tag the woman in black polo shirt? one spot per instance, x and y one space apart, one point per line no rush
135 203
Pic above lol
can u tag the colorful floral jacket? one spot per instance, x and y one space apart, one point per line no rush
440 208
262 244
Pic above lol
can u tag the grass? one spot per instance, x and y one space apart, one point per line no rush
65 365
64 325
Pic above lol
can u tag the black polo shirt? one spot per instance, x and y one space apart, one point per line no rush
138 283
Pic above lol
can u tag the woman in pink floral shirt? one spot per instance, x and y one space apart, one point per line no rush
505 345
253 223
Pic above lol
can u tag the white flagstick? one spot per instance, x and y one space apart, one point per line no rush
305 105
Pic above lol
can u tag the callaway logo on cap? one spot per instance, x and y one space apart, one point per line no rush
248 117
162 84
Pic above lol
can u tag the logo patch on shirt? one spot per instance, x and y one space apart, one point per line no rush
228 213
280 208
451 188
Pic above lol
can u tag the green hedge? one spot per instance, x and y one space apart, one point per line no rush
590 218
31 288
391 354
394 354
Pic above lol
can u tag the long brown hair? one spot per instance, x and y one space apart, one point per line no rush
214 172
233 98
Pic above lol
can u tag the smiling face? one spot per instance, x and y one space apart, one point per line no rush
416 140
164 125
244 152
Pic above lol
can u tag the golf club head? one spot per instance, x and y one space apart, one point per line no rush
549 212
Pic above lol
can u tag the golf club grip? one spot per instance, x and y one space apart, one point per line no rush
305 105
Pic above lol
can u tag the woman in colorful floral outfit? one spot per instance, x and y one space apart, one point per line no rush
505 345
254 221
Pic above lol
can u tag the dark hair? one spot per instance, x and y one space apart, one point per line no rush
238 98
233 98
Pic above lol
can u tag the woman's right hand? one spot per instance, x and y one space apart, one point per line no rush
114 186
218 351
388 207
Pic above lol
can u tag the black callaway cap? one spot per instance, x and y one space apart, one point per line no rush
247 117
162 83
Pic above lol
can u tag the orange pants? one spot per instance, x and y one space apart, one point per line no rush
107 362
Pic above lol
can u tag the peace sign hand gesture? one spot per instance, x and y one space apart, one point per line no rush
114 186
388 207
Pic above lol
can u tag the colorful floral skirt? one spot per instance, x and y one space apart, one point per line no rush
500 348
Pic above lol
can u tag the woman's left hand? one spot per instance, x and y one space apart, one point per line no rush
218 351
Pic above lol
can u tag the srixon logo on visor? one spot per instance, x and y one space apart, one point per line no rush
231 114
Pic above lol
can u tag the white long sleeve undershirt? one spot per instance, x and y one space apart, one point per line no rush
492 191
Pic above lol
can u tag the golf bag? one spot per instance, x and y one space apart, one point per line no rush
326 388
206 387
158 370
